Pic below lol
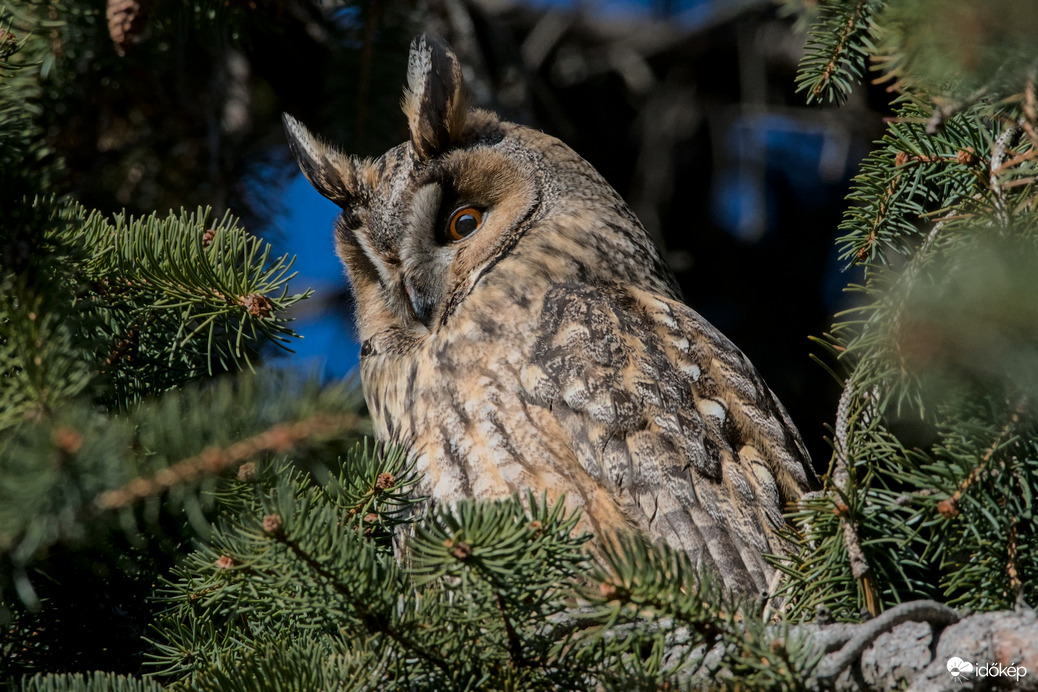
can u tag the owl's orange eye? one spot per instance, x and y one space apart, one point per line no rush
464 222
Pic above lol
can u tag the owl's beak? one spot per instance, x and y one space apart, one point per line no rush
421 304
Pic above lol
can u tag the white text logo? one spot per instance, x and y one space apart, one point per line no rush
963 669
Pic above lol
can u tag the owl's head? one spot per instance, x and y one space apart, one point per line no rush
466 202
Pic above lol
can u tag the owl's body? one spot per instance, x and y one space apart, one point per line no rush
520 330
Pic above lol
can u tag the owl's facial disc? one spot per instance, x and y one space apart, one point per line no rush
424 224
469 207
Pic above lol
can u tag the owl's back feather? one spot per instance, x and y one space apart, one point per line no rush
664 411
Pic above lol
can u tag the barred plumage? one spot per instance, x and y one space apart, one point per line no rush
520 330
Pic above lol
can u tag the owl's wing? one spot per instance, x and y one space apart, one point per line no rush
670 416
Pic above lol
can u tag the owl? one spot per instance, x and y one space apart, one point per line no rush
519 330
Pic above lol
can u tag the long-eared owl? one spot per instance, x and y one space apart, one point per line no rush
520 330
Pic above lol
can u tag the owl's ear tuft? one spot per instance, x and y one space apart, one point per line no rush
436 100
332 173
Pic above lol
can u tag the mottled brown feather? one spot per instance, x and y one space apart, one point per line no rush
671 417
549 349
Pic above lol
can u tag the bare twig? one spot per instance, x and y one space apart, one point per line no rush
213 460
842 481
1001 152
925 611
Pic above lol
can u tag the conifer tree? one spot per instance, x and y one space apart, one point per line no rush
132 426
935 463
127 345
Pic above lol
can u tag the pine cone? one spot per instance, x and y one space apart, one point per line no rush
126 20
8 44
258 305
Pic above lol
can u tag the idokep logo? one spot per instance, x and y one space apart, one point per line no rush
961 670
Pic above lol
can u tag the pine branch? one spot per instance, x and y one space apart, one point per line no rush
950 508
943 205
888 651
173 450
185 297
374 621
91 682
838 45
281 438
647 618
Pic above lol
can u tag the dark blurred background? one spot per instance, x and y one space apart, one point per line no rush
687 107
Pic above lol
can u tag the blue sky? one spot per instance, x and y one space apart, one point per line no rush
304 228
